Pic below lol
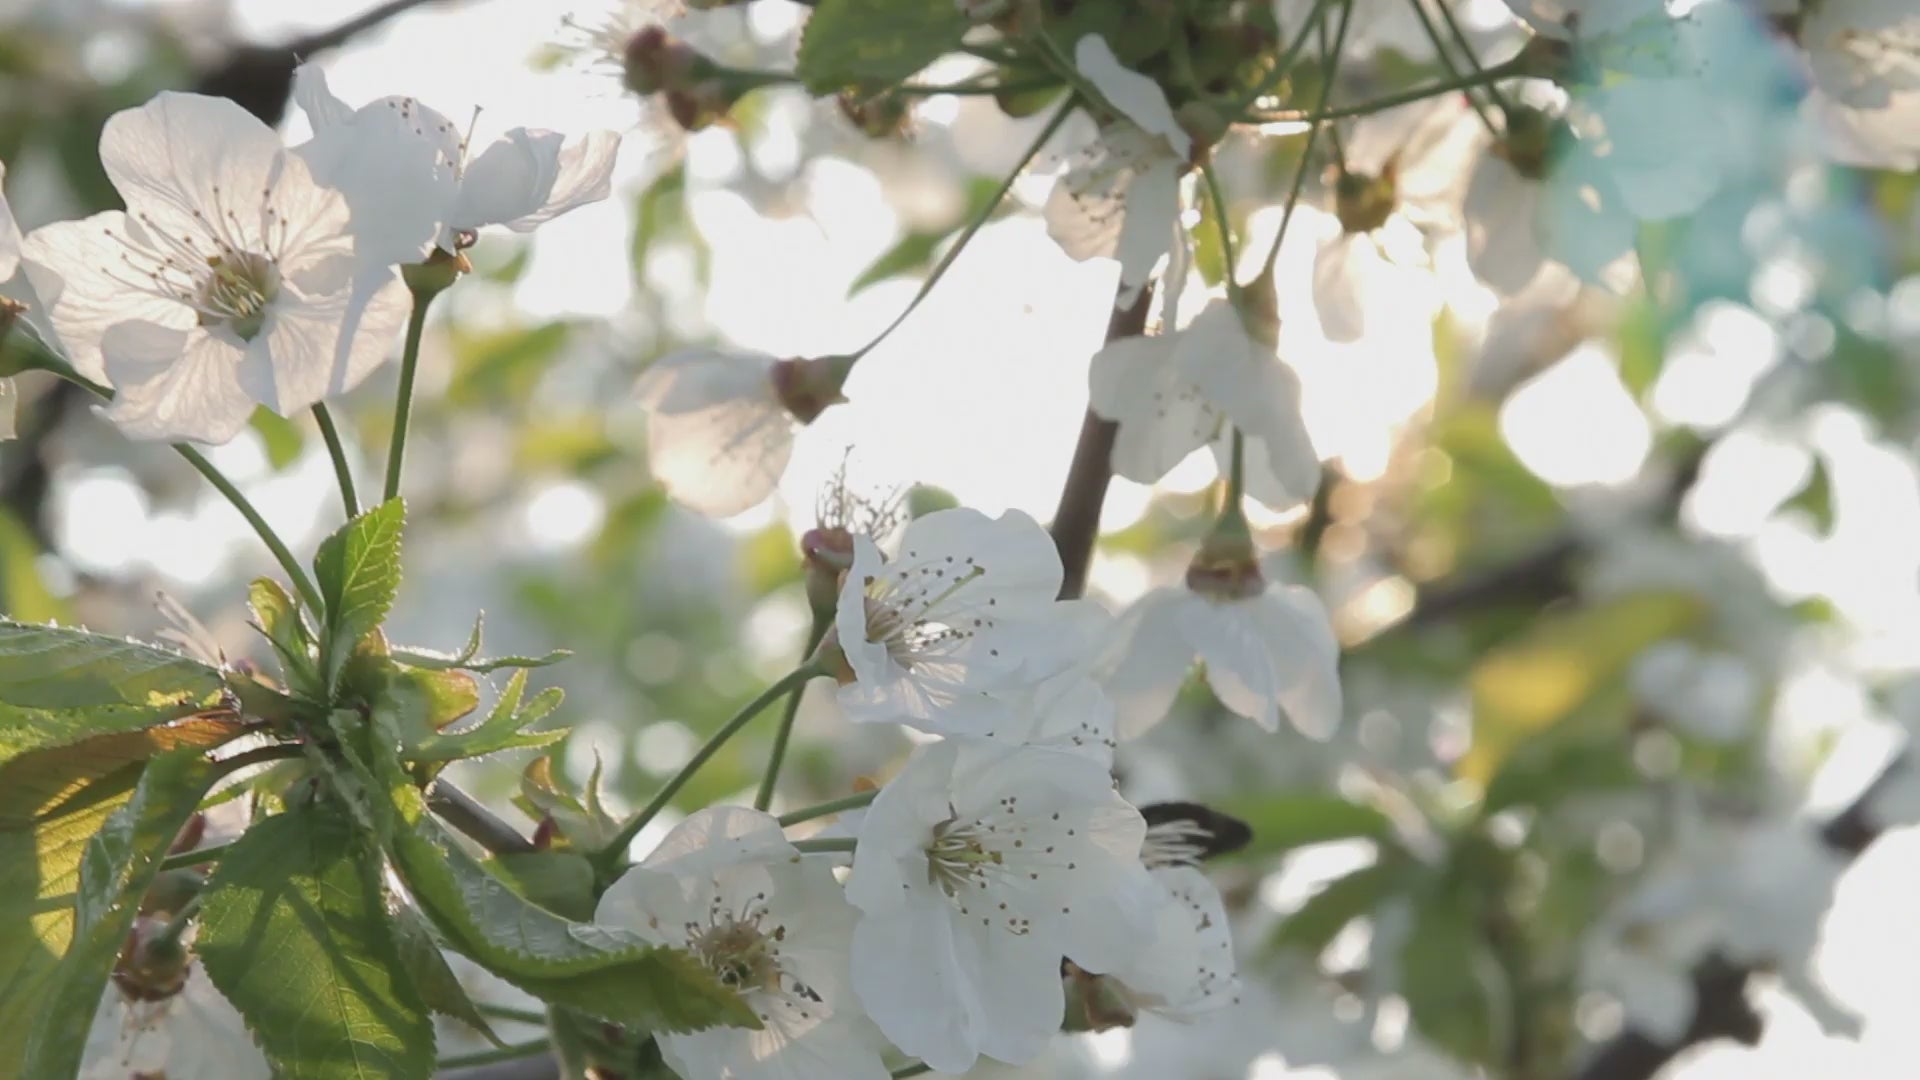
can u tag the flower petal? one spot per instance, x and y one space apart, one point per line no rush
187 162
174 385
79 271
1138 97
1148 660
1162 417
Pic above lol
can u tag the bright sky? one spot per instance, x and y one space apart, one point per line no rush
982 390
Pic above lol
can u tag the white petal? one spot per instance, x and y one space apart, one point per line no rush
175 385
1582 218
1161 414
78 270
1665 150
1187 967
182 160
309 352
718 439
584 175
890 864
1152 210
1271 650
316 99
1244 379
508 180
1500 210
1336 288
1017 982
1148 660
397 164
1138 97
9 233
909 978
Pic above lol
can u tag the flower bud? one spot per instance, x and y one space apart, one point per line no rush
701 104
656 60
153 963
1227 567
1205 124
1259 307
1364 203
808 386
878 116
434 274
1529 141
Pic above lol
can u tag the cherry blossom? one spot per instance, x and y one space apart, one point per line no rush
976 869
727 886
228 282
935 636
1177 392
1864 57
168 1023
396 156
1120 199
721 423
1268 650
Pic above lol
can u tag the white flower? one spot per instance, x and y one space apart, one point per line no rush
9 233
978 868
1175 393
1185 967
1537 195
721 423
964 612
726 886
227 283
397 157
1121 198
194 1032
1265 654
1864 56
1400 175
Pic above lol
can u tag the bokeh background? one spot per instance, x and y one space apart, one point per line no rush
1689 533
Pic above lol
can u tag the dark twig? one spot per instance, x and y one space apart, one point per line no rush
544 1067
464 812
1076 522
1721 1008
259 78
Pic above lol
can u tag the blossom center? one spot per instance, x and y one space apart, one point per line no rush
906 609
958 855
1364 203
236 291
739 953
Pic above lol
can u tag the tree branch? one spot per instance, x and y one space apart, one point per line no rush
1076 521
1721 1009
464 812
259 78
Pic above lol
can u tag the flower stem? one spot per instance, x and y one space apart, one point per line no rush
504 1053
1446 60
1487 77
777 755
1284 62
295 572
1466 49
1306 152
1219 202
820 810
827 845
507 1012
403 402
331 436
980 219
918 1068
616 849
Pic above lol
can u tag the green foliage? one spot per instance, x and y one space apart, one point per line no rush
75 706
468 658
872 44
1530 684
1286 820
358 569
417 703
1313 925
560 881
23 592
505 727
424 962
40 858
282 437
602 971
277 617
583 824
119 863
295 933
1456 991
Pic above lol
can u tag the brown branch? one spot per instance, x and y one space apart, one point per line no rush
1076 521
464 812
1721 1008
259 78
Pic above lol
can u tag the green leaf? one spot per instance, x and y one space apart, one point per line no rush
1314 923
503 729
23 592
116 869
295 933
1816 499
277 617
467 658
603 971
916 250
1287 820
1546 769
39 875
282 437
584 825
560 881
875 43
1455 989
416 703
1532 683
75 706
359 573
423 960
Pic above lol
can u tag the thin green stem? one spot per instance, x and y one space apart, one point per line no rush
504 1053
1466 49
827 845
1284 62
403 402
979 220
177 922
1306 153
1236 474
820 810
331 436
211 853
1055 57
1225 223
1446 60
1487 77
917 1069
778 754
616 849
295 572
507 1012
